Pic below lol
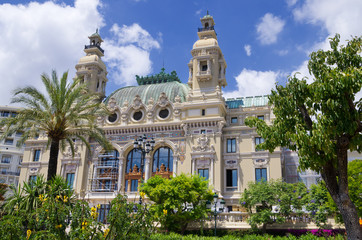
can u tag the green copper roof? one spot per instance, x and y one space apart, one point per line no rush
96 34
146 92
256 101
161 77
207 15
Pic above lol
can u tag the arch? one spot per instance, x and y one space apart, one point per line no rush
106 171
133 159
162 160
206 25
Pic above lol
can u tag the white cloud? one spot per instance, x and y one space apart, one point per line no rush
247 49
282 52
334 17
269 28
198 12
128 53
39 37
253 83
291 3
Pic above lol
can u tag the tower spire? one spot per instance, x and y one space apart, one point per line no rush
90 68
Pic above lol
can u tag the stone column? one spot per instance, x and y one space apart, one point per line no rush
212 171
193 166
147 167
174 167
120 174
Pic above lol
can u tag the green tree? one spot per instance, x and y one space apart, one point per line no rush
128 220
260 198
320 204
68 111
322 120
178 200
354 184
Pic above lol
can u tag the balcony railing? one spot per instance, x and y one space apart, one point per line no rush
206 29
94 46
5 172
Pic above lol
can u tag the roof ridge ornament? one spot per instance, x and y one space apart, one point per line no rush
161 77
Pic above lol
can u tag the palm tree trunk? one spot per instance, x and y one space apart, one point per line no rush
53 159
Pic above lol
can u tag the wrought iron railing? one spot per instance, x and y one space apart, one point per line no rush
206 29
94 46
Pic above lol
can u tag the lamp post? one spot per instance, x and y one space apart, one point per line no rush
142 145
216 201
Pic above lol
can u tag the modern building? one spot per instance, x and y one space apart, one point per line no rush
196 131
11 155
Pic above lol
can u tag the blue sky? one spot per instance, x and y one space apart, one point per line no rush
263 41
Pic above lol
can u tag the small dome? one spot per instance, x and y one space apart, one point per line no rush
146 92
209 42
92 59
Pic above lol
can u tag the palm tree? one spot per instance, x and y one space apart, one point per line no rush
66 112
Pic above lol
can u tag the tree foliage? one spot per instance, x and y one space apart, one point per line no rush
66 112
261 197
355 184
322 120
178 200
129 220
50 210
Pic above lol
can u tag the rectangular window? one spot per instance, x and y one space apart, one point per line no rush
258 140
4 171
70 179
5 114
231 145
260 174
126 185
203 131
36 155
234 120
103 212
203 66
204 173
261 117
32 178
134 185
6 159
231 179
9 141
19 134
203 112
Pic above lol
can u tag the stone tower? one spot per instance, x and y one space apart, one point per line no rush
207 66
91 69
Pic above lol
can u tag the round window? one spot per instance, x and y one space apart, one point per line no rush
137 115
112 118
164 113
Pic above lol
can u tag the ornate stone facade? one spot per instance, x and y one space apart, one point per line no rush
196 130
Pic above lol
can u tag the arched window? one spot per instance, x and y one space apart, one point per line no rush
133 158
133 175
106 172
163 162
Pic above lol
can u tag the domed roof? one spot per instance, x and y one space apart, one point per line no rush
92 59
146 92
208 42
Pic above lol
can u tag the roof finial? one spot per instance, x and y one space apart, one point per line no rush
97 30
207 12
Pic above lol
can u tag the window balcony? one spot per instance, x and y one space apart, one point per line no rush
206 29
94 46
